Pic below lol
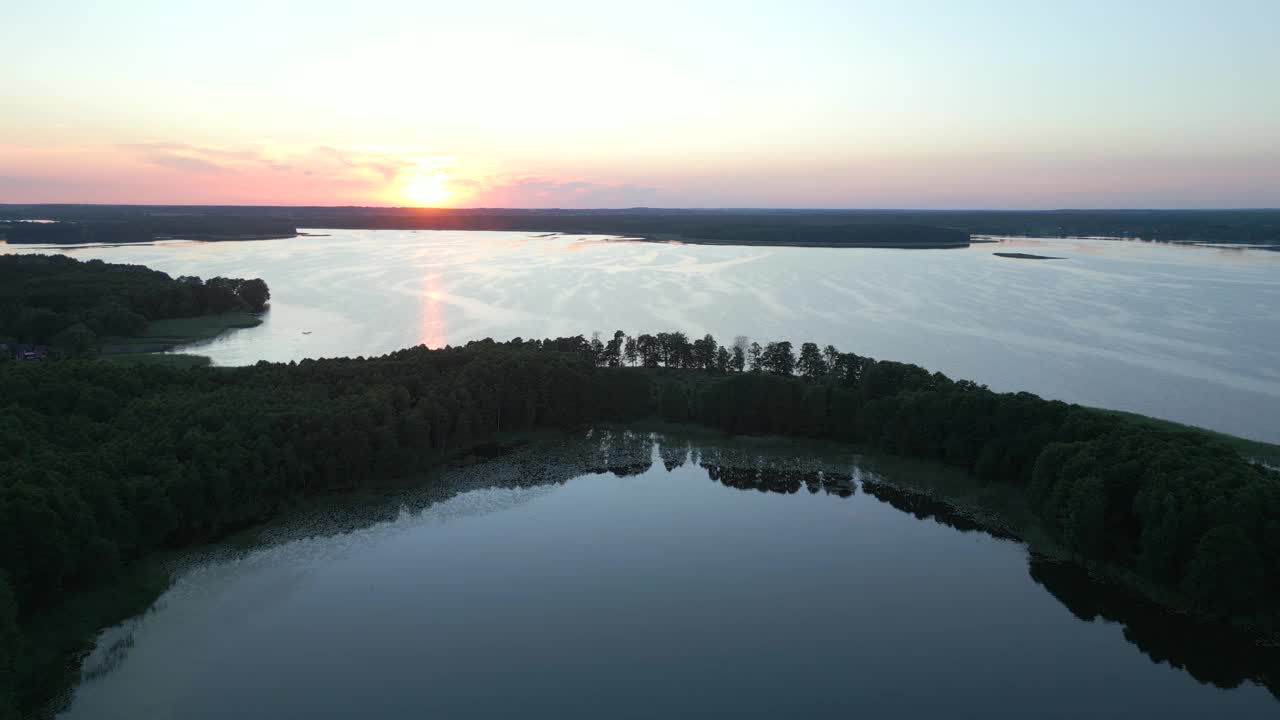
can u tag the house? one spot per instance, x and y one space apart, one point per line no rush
32 353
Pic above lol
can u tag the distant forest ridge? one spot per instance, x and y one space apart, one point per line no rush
866 228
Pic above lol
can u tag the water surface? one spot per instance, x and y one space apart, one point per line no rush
629 575
1179 332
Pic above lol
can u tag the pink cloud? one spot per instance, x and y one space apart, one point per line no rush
543 191
264 174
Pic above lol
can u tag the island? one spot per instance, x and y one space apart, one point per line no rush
1026 256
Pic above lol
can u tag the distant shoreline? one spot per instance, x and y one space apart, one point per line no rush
622 237
796 243
226 238
1258 228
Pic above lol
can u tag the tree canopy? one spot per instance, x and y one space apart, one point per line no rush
57 300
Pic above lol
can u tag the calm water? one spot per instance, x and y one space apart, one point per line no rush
1185 333
615 575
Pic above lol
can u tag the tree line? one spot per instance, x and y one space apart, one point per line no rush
59 301
1176 508
122 222
89 224
677 350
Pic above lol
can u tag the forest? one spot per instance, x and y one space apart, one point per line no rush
146 227
70 305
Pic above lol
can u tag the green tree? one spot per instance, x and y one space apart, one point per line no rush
1225 573
779 358
679 350
703 354
39 324
723 360
11 650
596 351
650 350
612 356
830 356
811 363
675 403
254 293
738 361
75 341
1085 525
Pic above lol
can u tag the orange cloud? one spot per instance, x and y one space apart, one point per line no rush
268 173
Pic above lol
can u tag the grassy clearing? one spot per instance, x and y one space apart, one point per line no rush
163 335
176 360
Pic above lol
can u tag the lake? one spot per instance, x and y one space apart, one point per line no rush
627 574
1179 332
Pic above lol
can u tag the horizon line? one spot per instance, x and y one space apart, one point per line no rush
659 209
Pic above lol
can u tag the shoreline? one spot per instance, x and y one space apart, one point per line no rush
679 240
45 244
613 237
1000 512
1182 242
154 346
227 238
674 240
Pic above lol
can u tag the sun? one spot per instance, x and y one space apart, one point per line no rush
426 189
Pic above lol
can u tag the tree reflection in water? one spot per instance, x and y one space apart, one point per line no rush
1211 653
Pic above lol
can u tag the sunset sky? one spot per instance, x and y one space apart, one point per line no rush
1155 103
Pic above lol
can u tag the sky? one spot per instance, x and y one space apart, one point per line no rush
852 104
